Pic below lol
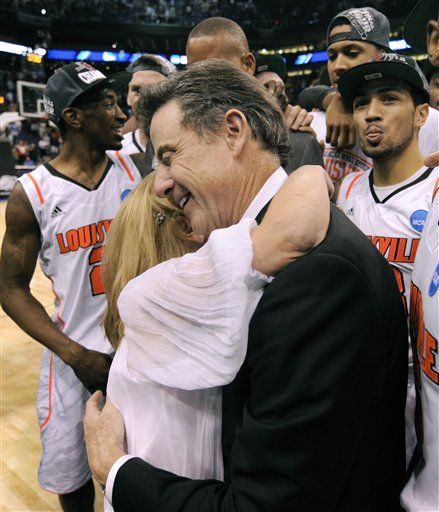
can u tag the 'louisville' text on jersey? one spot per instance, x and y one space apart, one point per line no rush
396 250
83 237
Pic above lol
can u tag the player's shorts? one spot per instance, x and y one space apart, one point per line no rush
61 407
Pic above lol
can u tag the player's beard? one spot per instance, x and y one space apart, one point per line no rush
387 149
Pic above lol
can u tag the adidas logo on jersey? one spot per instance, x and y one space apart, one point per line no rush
350 211
55 212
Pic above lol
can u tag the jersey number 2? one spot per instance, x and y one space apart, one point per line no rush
95 259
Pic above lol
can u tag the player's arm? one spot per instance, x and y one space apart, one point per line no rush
340 129
19 253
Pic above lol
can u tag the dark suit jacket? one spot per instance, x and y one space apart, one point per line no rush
314 420
304 150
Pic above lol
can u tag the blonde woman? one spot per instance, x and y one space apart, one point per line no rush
175 351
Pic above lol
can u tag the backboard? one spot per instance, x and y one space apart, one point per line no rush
30 99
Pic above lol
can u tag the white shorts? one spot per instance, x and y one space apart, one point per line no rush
61 408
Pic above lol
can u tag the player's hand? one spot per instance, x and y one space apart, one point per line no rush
340 129
296 117
91 367
104 436
432 160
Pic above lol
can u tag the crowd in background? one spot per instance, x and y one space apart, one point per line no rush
248 13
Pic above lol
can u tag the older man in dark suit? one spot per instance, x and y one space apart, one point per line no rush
315 417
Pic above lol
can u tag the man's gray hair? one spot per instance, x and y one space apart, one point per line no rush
206 91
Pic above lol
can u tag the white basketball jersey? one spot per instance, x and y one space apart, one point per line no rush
339 163
131 143
74 223
391 217
422 490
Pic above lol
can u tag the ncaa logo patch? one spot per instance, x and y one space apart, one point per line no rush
434 285
125 193
417 220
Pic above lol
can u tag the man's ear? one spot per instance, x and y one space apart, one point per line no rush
249 62
236 130
72 117
421 114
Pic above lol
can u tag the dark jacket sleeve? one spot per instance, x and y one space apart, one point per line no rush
304 150
315 373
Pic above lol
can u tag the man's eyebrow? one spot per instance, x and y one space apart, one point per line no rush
348 47
354 45
109 95
381 90
164 149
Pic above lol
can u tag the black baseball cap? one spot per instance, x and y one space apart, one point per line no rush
385 65
415 28
274 63
367 25
71 81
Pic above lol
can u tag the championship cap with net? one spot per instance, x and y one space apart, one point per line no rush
415 28
385 65
71 81
367 25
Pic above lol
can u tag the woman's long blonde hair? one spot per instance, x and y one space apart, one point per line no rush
146 231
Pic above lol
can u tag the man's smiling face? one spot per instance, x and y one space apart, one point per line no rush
196 172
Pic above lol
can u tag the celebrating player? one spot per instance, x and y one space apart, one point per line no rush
62 212
389 203
422 490
147 70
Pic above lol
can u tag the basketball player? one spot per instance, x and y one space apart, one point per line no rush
62 212
422 490
146 70
355 36
221 38
390 203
